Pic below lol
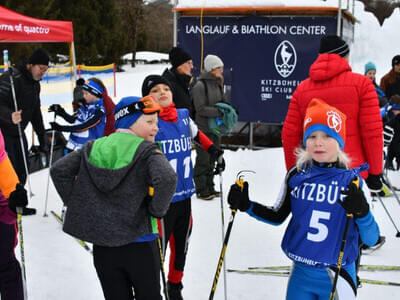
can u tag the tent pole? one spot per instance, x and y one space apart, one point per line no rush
73 59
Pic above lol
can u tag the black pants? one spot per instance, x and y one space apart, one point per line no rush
136 265
177 231
204 169
11 286
13 148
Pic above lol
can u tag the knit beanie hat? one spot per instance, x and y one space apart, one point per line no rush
333 44
395 60
39 57
212 62
178 56
93 88
369 66
151 81
129 109
321 116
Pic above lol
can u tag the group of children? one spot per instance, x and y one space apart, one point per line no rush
140 182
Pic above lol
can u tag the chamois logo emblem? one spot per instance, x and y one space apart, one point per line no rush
285 58
334 121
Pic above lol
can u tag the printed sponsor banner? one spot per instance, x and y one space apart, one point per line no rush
265 57
15 27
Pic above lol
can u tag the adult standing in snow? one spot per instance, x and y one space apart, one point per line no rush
313 237
26 77
12 195
106 186
331 79
180 76
390 83
370 72
207 91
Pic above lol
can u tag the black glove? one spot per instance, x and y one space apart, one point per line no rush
216 156
374 183
388 133
56 108
18 198
55 126
238 198
355 202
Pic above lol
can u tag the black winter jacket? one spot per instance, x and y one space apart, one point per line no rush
27 92
180 89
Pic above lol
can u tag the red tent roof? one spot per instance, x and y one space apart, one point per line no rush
15 27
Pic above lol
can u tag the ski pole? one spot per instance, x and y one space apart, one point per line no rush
160 249
30 194
386 178
223 224
22 249
240 183
50 162
349 217
390 217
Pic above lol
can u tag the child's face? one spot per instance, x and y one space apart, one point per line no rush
371 74
162 94
89 97
322 147
146 127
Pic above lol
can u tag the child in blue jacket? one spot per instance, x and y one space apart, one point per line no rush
88 122
175 138
319 192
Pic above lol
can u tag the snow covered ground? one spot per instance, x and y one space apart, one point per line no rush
59 268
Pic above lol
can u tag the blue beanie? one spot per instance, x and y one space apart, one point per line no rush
124 119
93 88
369 66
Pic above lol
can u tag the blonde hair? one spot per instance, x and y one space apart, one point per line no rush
304 159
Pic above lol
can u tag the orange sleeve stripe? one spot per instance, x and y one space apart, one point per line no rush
9 178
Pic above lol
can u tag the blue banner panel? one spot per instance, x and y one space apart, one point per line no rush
265 57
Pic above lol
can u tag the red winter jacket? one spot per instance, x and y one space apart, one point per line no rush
331 80
110 120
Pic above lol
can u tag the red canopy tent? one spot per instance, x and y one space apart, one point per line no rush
17 28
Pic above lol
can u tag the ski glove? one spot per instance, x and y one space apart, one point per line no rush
355 202
216 156
374 183
239 199
56 108
18 198
388 133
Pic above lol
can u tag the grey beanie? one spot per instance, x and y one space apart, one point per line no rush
212 62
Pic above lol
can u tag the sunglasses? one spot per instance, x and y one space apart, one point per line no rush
146 105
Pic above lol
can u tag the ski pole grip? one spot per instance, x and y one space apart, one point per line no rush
240 183
151 191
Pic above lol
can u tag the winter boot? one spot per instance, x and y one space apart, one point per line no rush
174 290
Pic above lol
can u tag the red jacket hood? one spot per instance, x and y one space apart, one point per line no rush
328 66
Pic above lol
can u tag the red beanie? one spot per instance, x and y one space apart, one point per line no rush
321 116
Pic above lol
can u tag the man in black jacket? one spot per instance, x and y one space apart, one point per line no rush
26 77
180 76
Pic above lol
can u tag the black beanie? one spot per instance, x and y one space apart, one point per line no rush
333 44
178 56
152 80
395 60
39 57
